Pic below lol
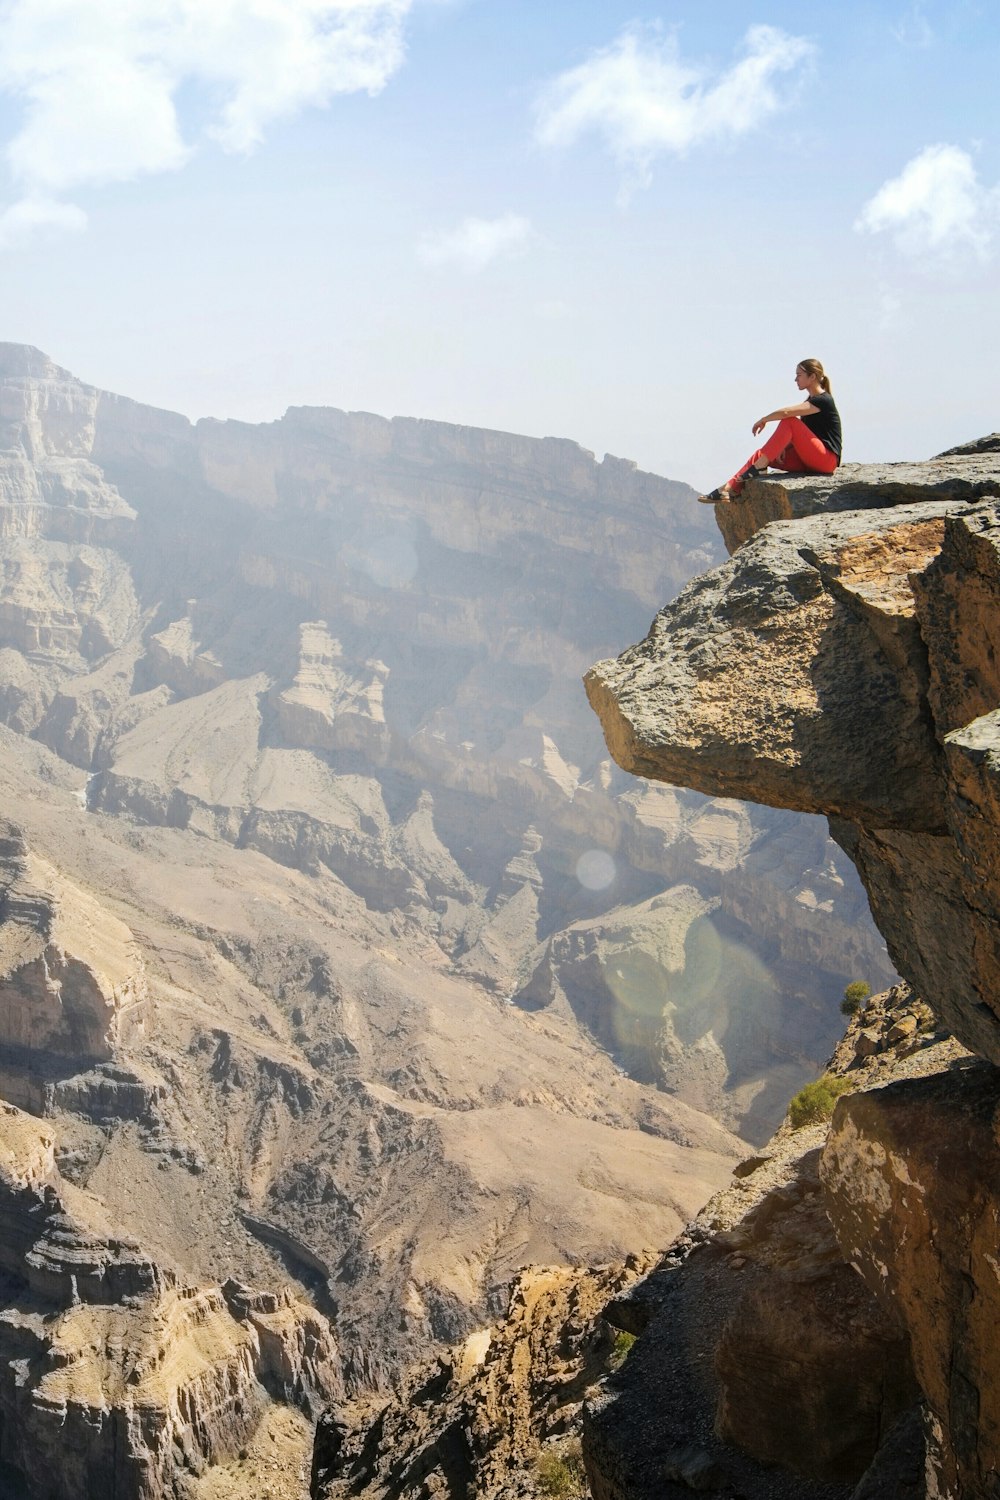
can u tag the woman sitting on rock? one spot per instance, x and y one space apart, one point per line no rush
807 439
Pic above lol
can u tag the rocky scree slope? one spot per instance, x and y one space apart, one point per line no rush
845 661
483 1417
364 1165
116 1376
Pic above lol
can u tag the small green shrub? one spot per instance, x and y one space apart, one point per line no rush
561 1473
622 1348
854 997
815 1102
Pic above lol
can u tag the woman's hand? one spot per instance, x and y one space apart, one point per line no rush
803 409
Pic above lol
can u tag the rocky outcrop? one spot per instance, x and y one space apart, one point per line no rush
479 1420
911 1175
116 1376
765 1365
72 978
845 661
328 706
966 473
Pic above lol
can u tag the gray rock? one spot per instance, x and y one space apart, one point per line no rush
784 497
988 444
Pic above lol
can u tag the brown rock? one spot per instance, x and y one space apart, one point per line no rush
740 687
759 1333
912 1174
868 1042
475 1422
902 1029
776 675
72 977
754 676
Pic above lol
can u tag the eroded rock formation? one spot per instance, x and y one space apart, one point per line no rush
479 1420
845 661
72 978
766 1366
116 1376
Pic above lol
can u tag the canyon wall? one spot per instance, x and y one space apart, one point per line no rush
340 969
354 645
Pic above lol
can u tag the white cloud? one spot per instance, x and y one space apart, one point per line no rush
645 100
99 81
913 29
936 208
24 221
476 242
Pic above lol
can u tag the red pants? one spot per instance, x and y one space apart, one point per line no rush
794 448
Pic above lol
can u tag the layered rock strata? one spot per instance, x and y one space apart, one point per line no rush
115 1376
72 978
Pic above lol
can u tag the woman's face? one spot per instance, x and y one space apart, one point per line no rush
801 378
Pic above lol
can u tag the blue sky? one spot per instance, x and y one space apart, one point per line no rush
618 225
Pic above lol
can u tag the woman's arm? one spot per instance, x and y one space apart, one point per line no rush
803 409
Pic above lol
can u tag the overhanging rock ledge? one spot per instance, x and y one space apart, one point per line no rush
848 663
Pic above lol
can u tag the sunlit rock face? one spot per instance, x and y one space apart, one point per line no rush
72 977
846 661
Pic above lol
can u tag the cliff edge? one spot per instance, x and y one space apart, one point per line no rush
846 660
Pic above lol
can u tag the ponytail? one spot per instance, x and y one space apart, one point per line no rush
815 367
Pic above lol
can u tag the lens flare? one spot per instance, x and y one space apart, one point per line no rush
595 870
391 562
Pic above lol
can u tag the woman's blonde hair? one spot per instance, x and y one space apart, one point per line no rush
815 367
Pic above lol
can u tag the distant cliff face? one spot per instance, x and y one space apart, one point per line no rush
845 661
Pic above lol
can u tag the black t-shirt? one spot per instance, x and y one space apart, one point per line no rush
825 423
